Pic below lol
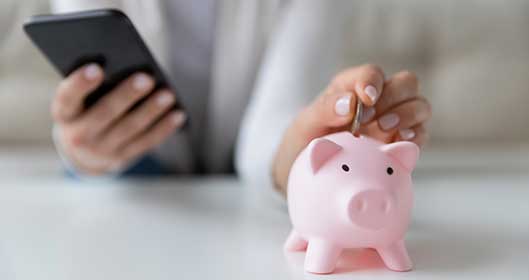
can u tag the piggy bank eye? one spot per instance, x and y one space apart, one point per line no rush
389 170
345 167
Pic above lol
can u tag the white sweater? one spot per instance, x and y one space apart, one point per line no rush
472 61
243 32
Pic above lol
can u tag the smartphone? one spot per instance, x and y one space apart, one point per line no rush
104 36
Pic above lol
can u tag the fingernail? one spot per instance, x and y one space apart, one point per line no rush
142 82
92 72
164 99
343 106
178 118
407 133
372 93
368 114
388 121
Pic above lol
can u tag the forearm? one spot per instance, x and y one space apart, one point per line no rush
286 153
293 73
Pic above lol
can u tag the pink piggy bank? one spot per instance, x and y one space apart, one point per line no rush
351 192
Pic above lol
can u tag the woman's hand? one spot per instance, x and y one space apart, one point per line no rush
109 135
393 110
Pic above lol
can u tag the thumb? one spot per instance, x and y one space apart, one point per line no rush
328 112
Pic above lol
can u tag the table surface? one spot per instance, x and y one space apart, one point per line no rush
466 225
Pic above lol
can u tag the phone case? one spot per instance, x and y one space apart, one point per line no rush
105 36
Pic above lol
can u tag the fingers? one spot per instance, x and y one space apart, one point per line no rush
124 133
153 137
72 91
138 120
399 112
96 159
327 111
366 80
400 122
336 106
402 87
417 134
114 104
405 115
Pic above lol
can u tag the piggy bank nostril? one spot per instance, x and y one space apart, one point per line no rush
359 205
363 205
372 205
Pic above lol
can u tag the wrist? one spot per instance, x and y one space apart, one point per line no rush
74 165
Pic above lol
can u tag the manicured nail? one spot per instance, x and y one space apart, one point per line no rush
343 106
372 93
142 82
388 121
164 99
92 72
178 118
368 114
407 133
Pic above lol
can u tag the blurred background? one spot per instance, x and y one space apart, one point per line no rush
472 58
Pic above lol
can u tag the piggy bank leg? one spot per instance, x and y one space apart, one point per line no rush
295 242
396 256
321 256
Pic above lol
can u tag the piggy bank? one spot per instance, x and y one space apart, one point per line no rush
351 192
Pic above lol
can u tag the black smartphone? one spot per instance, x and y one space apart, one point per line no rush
104 36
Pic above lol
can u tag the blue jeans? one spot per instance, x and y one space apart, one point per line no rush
146 166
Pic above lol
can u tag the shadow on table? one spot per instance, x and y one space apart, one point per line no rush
442 249
433 251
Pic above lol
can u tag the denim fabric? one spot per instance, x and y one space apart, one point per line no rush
146 166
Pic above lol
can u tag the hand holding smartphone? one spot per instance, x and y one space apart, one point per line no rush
114 103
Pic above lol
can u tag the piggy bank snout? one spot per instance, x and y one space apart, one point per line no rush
371 209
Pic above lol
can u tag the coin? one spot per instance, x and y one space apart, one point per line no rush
355 127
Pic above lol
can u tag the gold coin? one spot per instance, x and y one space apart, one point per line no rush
355 127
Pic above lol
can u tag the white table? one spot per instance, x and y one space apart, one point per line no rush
466 225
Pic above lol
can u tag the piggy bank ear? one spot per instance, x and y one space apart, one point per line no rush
405 152
321 150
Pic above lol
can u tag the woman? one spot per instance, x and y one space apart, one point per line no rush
261 78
